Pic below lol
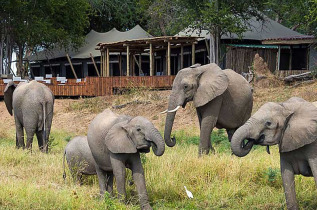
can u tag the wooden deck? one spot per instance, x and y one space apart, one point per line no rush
101 86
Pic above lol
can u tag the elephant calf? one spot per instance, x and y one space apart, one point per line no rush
79 158
115 142
291 124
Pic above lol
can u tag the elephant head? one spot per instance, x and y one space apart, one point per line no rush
135 135
8 96
197 83
291 124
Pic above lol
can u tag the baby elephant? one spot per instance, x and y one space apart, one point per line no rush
292 125
115 142
79 158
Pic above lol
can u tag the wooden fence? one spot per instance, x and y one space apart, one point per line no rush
101 86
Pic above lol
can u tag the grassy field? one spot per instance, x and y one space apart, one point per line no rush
217 181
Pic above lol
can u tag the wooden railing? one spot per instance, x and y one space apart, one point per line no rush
101 86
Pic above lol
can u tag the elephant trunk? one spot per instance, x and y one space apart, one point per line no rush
169 122
157 141
239 148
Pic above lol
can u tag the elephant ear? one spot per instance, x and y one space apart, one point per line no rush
8 96
118 140
212 83
301 128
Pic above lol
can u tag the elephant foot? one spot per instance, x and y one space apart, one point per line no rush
205 151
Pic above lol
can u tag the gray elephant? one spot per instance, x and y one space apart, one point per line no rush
222 98
79 158
115 142
32 104
292 125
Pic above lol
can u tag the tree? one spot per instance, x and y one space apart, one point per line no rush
28 25
217 17
292 13
119 14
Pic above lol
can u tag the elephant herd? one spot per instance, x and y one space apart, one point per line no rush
222 98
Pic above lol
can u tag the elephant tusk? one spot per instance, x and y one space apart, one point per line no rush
174 110
164 111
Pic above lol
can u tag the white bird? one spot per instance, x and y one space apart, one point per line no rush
189 193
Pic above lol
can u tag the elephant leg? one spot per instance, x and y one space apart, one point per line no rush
109 186
289 184
313 166
39 135
230 133
118 166
138 177
102 179
209 116
199 118
29 135
19 135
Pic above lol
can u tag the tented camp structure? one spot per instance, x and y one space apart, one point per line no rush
286 51
86 60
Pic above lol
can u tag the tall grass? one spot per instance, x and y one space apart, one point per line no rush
221 180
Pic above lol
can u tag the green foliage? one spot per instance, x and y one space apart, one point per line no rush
272 174
299 15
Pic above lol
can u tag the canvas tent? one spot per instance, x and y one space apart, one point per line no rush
281 47
55 62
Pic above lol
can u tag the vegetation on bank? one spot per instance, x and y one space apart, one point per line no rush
221 180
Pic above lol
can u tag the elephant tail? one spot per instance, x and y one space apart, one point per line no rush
64 173
45 141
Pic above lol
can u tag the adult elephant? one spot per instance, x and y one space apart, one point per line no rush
222 98
293 126
115 142
32 104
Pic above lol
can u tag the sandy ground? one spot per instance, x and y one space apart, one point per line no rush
77 121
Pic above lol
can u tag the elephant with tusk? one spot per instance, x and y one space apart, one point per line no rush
222 98
293 126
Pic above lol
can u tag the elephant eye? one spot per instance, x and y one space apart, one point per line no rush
138 129
268 123
185 86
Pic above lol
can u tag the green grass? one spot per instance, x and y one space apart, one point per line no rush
221 180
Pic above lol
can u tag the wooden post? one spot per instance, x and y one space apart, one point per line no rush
140 64
93 61
278 58
290 58
101 63
182 56
151 59
120 63
128 60
193 53
107 67
168 58
71 66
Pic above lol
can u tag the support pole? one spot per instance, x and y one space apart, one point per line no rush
120 63
93 61
107 67
151 60
193 53
128 60
182 56
140 64
168 58
71 66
